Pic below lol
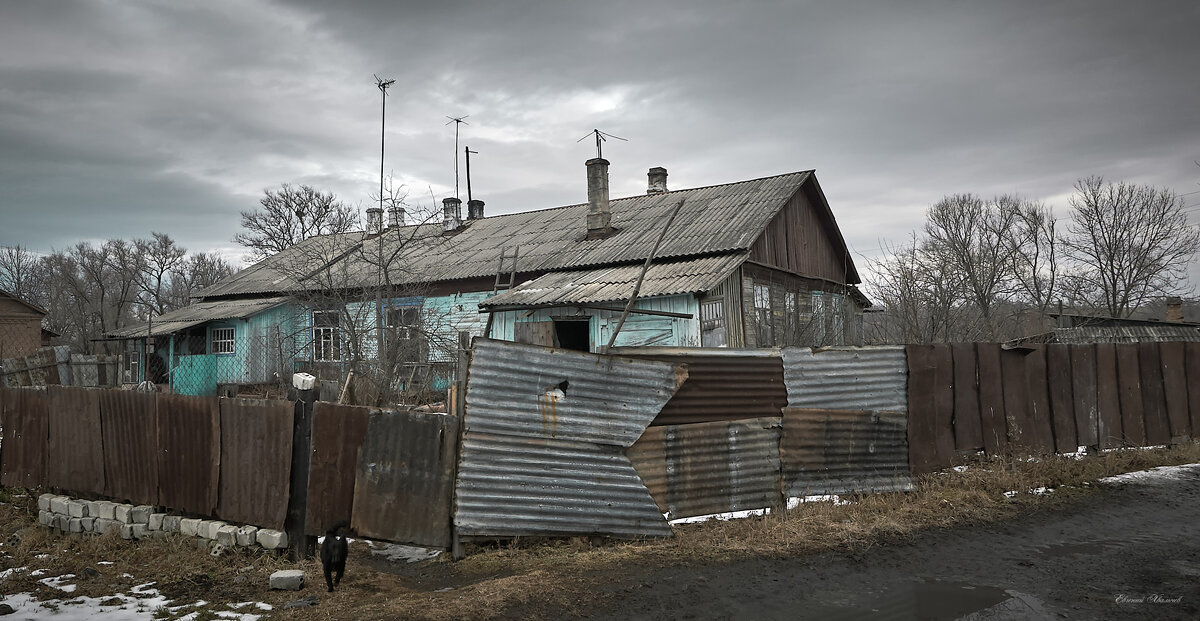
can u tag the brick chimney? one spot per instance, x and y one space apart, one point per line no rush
374 219
396 216
1174 312
598 214
475 209
451 214
657 180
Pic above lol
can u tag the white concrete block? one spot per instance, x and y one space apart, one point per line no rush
171 523
126 530
287 579
272 539
75 525
88 523
58 504
304 381
227 536
44 502
103 525
106 509
141 514
189 526
46 518
77 509
139 530
122 514
62 522
213 527
156 521
247 535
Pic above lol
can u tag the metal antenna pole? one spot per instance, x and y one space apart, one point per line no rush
600 138
379 321
383 86
467 153
457 120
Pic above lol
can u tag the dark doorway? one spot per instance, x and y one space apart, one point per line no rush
573 334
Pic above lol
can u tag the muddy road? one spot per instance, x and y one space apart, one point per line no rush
1128 550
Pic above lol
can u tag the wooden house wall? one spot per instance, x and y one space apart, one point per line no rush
799 239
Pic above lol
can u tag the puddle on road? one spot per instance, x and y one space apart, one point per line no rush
934 600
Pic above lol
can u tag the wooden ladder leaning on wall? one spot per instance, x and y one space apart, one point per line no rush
499 285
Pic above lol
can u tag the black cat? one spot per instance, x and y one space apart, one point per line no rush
333 554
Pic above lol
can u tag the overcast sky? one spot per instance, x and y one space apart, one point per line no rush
122 118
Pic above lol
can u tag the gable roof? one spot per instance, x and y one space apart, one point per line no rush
33 307
198 313
714 220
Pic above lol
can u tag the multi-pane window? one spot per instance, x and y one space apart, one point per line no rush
764 331
818 318
327 335
405 321
791 318
222 341
712 323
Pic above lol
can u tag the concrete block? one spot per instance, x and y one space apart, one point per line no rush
287 579
44 502
46 518
75 525
202 543
141 514
103 525
189 526
126 530
121 513
247 535
172 523
62 522
139 530
156 521
106 509
93 508
209 528
227 536
77 509
58 504
272 539
88 523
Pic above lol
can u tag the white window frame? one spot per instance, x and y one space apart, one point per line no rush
327 338
223 341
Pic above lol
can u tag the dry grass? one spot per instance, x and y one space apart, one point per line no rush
560 577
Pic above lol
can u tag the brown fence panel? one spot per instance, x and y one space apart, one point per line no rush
968 429
1083 388
1062 400
1192 362
1018 421
405 478
189 457
838 451
130 432
1037 382
25 439
1133 424
75 440
1108 392
338 432
1154 399
926 396
1176 389
256 461
991 398
721 386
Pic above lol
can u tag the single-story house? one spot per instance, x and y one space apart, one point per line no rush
756 263
20 326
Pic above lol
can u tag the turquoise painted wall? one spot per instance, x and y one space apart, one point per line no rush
639 330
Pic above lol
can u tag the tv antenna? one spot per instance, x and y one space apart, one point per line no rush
600 138
467 153
457 120
383 86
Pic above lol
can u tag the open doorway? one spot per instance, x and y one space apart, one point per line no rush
573 334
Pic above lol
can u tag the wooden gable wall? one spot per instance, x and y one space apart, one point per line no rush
800 239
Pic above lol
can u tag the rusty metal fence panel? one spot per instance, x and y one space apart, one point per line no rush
75 440
338 432
930 408
129 426
1176 389
189 457
405 478
542 446
715 467
722 384
25 437
1192 364
840 452
862 378
256 461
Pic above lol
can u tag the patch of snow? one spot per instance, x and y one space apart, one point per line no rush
395 552
731 515
57 583
1154 476
8 572
40 556
104 562
794 502
129 609
38 572
959 468
1011 494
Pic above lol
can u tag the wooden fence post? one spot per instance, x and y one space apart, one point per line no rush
300 545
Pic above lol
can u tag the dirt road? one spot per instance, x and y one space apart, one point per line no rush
1130 550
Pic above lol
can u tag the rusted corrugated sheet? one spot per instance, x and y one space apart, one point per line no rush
338 432
847 378
75 440
530 486
930 395
189 452
405 477
839 452
542 446
722 384
256 461
25 435
714 467
533 391
130 429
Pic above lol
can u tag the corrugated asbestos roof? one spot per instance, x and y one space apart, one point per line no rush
198 313
714 219
608 284
1127 334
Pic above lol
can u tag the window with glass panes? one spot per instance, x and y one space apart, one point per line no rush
327 335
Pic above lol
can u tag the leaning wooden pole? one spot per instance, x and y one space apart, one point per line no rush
638 286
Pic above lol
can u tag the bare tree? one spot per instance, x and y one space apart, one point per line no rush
22 274
161 258
291 214
1131 242
196 272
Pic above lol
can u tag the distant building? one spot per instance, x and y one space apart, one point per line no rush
20 326
758 263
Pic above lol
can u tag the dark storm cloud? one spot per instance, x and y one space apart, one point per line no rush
179 115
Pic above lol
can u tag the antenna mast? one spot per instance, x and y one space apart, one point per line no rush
467 153
457 120
383 86
600 138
